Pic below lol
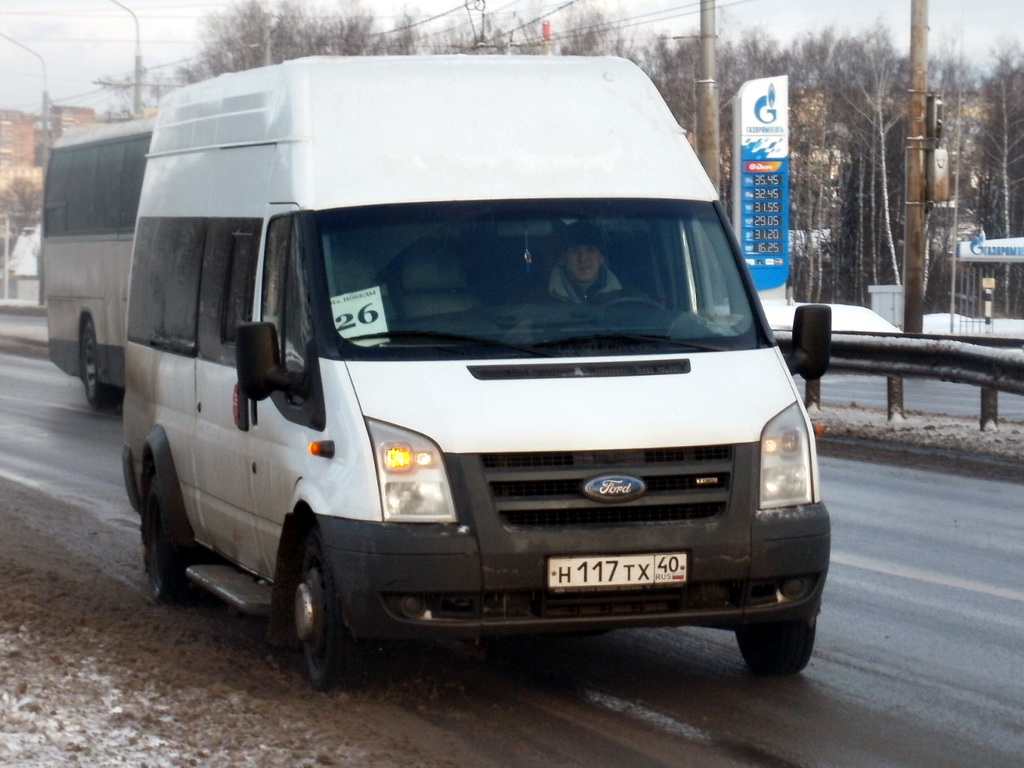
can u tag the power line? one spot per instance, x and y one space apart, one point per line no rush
613 25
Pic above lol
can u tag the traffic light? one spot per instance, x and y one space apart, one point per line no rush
934 115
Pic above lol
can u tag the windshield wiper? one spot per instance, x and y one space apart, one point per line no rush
444 336
609 339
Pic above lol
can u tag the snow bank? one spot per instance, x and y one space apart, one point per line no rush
846 318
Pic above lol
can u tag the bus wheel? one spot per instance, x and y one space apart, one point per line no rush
779 648
165 563
330 651
100 396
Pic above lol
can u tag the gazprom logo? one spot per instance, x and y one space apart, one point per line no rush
614 488
764 108
1012 247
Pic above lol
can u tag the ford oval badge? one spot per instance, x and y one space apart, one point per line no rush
614 488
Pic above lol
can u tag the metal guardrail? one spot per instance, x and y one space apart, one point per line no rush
994 365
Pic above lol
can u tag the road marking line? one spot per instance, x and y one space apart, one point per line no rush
647 715
929 577
34 484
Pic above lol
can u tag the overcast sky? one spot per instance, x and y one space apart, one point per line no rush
82 41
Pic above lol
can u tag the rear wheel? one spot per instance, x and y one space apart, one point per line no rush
99 395
781 648
331 654
165 563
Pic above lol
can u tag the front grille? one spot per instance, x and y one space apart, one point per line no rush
545 489
571 487
607 514
692 454
551 605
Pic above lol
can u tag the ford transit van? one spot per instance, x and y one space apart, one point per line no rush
461 347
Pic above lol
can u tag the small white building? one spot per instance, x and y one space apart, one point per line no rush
22 278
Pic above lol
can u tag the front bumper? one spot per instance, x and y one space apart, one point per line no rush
432 581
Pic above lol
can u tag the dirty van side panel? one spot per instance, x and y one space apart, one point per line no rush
162 339
221 440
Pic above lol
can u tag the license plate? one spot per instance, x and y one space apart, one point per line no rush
664 569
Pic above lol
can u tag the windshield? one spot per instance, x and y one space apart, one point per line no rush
545 278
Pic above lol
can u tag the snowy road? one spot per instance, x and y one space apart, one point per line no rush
917 661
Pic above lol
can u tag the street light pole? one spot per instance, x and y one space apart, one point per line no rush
46 99
707 96
137 101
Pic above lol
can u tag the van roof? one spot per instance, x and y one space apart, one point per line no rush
371 130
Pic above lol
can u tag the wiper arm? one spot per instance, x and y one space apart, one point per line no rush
609 338
444 336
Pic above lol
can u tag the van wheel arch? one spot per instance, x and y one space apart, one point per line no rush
165 562
158 462
287 575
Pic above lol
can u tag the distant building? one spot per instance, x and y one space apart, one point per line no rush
21 141
17 139
64 119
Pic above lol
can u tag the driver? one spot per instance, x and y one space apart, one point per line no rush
581 275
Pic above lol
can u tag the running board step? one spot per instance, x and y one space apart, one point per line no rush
237 589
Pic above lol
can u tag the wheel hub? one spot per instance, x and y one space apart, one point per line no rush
309 609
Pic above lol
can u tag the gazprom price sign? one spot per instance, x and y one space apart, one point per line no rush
1005 251
761 186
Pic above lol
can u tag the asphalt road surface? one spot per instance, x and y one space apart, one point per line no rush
918 660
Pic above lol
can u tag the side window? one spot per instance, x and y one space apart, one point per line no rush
237 305
284 292
164 293
131 182
81 200
106 192
58 176
228 276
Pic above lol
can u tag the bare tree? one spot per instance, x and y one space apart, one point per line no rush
248 35
877 94
1001 210
22 199
847 109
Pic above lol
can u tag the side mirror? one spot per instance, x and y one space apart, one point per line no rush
258 361
812 341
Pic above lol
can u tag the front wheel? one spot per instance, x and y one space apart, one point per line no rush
331 653
780 648
165 562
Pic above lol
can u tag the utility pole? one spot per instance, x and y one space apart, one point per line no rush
137 100
267 29
917 208
708 146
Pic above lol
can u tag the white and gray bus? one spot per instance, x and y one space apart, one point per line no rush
91 197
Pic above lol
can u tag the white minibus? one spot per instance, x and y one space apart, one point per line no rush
461 347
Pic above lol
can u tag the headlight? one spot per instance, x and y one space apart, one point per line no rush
413 483
786 460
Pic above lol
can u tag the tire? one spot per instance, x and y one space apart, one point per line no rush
331 654
165 563
102 397
782 648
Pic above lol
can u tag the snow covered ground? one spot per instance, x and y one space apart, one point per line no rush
847 318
